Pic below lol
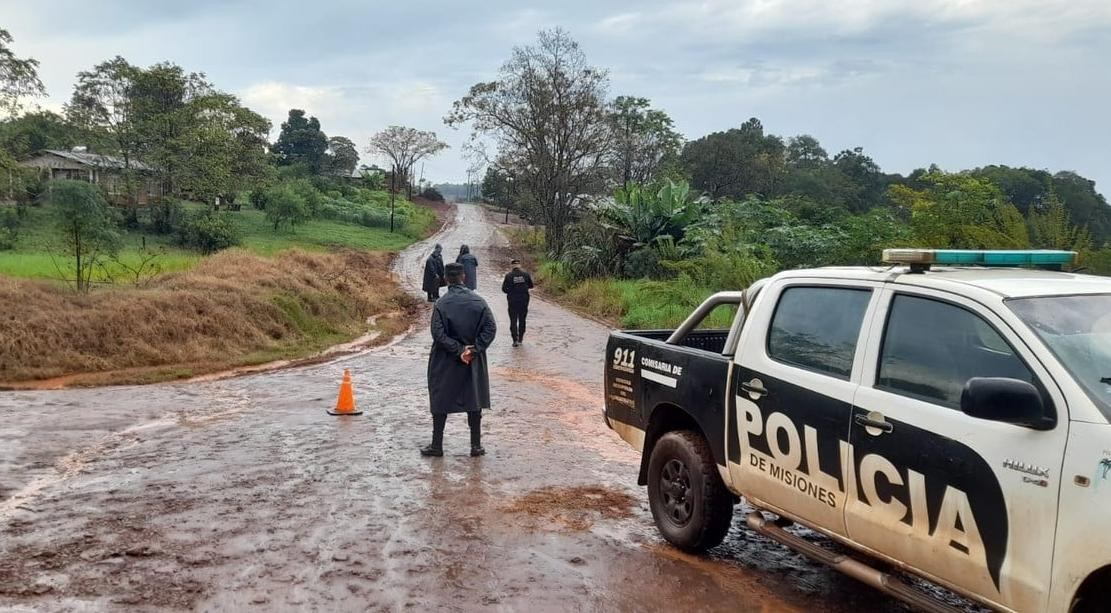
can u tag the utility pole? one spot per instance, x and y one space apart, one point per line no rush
393 186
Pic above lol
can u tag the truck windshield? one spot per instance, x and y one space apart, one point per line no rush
1077 329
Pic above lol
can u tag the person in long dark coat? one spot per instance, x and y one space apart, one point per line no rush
470 266
516 286
433 274
458 376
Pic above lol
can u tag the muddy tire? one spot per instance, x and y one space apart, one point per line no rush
689 502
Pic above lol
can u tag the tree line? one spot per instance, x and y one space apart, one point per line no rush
201 143
565 154
207 153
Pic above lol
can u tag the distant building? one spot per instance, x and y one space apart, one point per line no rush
103 170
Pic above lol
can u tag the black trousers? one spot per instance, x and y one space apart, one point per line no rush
433 295
439 420
518 312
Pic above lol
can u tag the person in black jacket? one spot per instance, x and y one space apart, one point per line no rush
516 285
458 376
470 267
433 274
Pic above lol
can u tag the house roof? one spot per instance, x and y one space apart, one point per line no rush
96 159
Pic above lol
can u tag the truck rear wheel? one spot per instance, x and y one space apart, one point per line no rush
689 502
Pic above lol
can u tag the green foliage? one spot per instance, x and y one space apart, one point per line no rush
85 225
18 77
736 162
208 231
302 142
258 198
342 156
30 133
284 204
960 211
9 228
166 216
642 216
1052 228
645 141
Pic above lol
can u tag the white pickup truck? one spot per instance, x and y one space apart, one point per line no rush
943 416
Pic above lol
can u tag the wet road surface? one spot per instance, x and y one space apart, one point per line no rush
244 494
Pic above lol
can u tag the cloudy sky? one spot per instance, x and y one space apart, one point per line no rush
959 83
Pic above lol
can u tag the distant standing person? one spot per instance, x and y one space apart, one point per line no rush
434 274
470 266
516 286
458 377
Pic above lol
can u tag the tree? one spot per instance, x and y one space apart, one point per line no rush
19 77
342 156
301 141
1051 228
865 178
284 205
547 114
103 101
961 211
804 151
737 162
85 224
225 146
164 102
32 132
403 147
644 139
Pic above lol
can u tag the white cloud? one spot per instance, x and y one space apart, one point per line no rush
274 99
749 20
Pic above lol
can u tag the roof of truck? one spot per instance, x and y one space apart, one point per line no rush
1005 282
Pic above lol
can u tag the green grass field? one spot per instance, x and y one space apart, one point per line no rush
36 252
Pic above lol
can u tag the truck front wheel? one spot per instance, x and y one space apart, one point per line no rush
689 502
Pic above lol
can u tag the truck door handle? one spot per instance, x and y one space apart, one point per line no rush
867 422
754 388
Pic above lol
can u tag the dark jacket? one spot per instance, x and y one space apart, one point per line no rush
433 272
516 285
470 268
460 318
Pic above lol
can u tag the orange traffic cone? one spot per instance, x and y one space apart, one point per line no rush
345 405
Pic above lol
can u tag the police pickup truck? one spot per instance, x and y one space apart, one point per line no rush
948 416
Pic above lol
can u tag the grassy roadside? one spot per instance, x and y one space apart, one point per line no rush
624 303
232 309
32 257
285 295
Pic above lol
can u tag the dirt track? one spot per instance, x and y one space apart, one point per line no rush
243 493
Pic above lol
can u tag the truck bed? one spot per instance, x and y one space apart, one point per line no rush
644 373
709 339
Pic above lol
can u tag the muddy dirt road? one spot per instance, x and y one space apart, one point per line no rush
244 494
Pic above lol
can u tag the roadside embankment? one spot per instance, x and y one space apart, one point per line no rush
625 303
232 309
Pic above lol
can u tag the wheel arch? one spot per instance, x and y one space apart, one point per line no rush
665 417
1096 585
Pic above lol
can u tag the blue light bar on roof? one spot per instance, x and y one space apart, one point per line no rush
963 257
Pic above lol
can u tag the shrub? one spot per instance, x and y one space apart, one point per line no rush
208 232
431 193
34 186
285 205
644 264
9 228
166 216
258 199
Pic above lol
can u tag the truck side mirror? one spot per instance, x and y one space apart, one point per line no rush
1007 400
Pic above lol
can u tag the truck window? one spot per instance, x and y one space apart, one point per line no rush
817 328
931 349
